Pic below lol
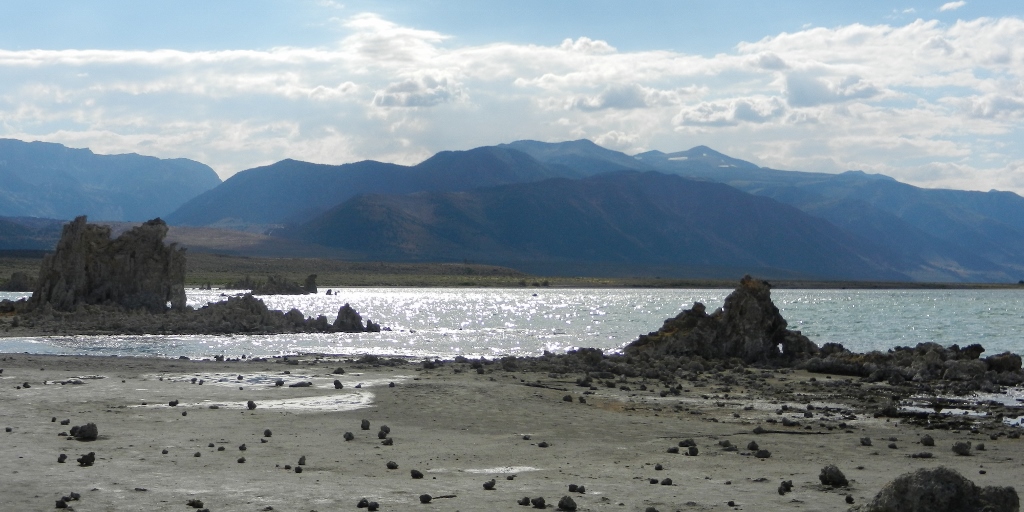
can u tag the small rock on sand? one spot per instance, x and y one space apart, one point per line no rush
831 475
962 448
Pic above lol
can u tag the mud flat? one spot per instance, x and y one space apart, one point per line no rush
460 424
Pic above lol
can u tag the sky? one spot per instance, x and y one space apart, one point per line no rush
930 93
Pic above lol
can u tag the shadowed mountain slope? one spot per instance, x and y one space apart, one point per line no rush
41 179
636 221
291 191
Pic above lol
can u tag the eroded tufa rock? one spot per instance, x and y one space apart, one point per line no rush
748 327
134 271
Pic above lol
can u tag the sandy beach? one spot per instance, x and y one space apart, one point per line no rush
458 426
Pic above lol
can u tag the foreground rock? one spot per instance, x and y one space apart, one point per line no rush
940 490
922 363
134 271
748 327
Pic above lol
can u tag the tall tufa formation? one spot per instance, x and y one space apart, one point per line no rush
748 327
134 271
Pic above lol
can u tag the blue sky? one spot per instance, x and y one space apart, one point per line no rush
931 93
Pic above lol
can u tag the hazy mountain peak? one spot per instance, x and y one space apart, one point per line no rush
582 156
863 175
45 179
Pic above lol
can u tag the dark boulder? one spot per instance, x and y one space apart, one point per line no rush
831 475
941 490
1005 362
87 432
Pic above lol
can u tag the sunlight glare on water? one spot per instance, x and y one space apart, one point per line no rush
475 322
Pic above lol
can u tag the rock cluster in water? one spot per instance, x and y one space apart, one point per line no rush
135 284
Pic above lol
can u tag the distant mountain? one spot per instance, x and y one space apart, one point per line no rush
640 223
943 235
291 191
581 156
40 179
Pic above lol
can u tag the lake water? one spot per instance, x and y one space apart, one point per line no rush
432 322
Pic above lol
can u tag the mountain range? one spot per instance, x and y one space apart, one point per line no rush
580 209
47 180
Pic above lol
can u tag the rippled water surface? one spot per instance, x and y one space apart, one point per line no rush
428 322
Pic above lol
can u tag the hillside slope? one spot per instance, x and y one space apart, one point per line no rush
639 223
40 179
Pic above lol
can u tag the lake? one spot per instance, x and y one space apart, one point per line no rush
473 322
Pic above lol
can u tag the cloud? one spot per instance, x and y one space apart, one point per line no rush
587 45
732 112
805 90
997 106
900 99
423 91
952 6
629 96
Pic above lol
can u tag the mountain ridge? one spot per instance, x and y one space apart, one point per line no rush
44 179
920 234
634 219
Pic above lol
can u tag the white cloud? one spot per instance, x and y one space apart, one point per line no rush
423 91
732 112
805 89
904 100
952 6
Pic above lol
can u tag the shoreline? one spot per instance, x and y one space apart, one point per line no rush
461 426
